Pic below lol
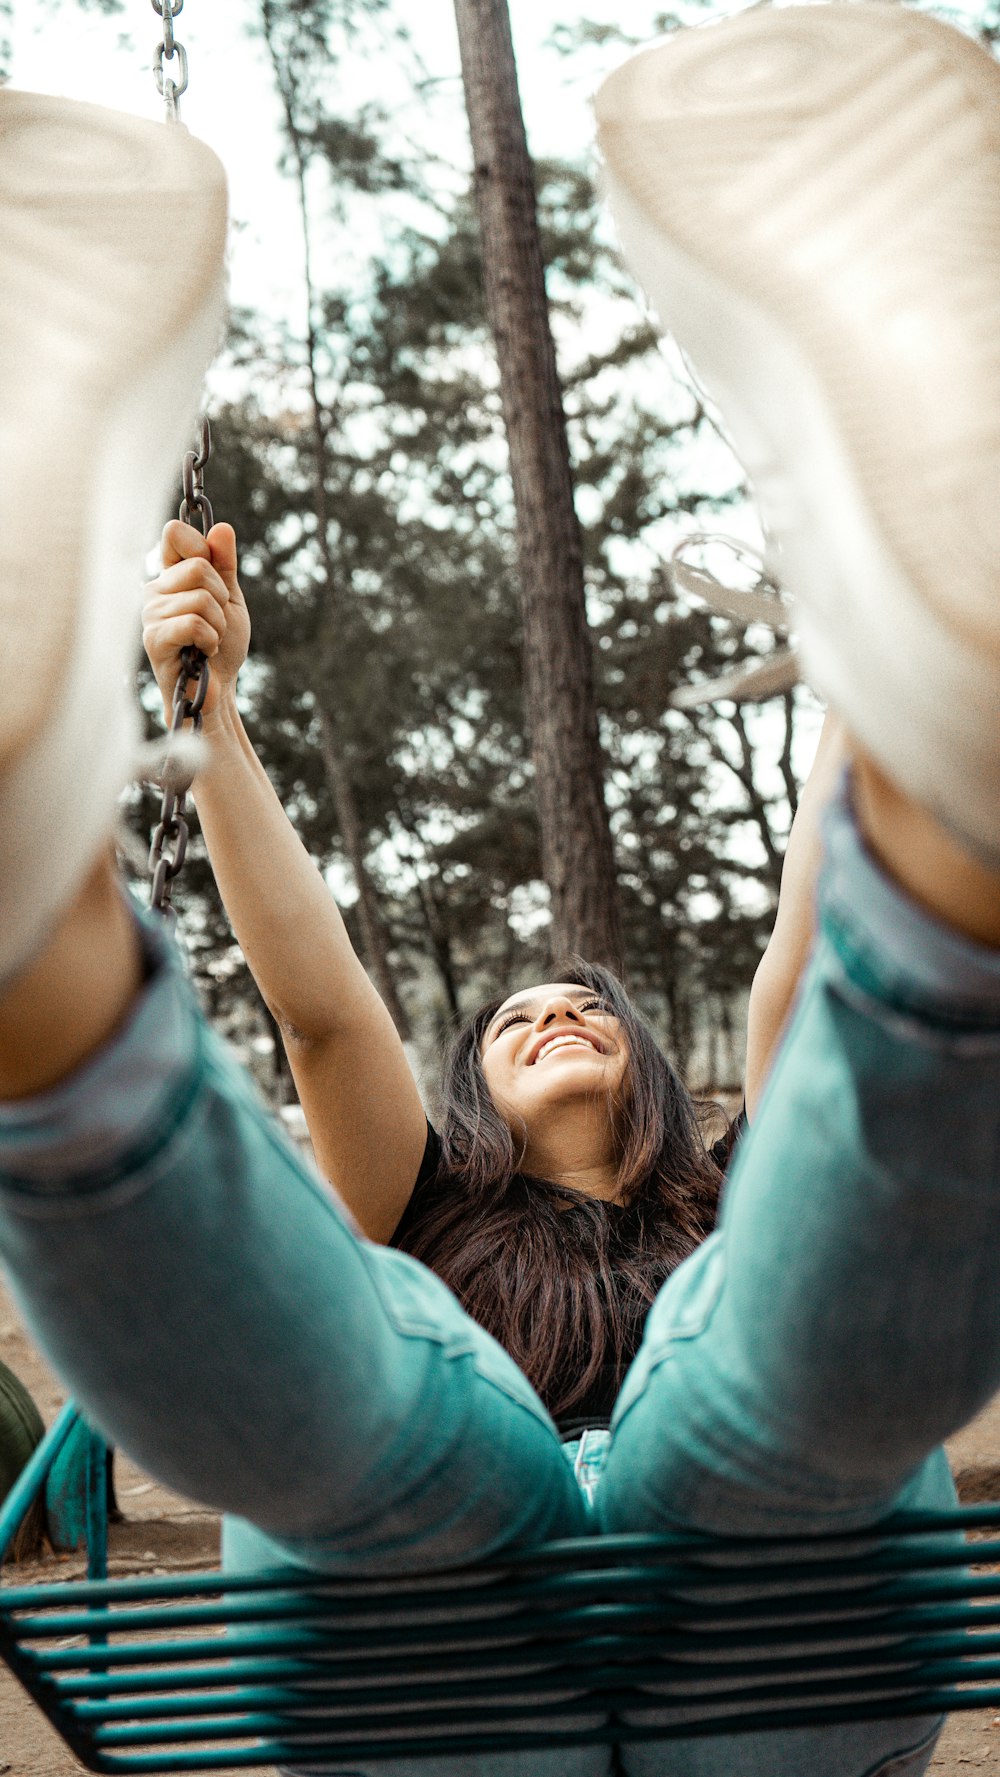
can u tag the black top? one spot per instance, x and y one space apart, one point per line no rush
596 1407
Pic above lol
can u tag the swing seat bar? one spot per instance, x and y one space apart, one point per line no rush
582 1642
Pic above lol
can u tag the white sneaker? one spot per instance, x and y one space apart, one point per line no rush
811 197
111 306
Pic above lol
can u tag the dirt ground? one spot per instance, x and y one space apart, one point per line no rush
164 1533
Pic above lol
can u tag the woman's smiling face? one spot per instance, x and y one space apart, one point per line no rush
550 1043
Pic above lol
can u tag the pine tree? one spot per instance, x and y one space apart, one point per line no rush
577 854
416 657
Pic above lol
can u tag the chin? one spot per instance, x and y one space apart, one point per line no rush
576 1082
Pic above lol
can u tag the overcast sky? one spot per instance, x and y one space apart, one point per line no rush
231 104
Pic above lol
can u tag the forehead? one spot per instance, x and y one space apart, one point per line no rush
546 990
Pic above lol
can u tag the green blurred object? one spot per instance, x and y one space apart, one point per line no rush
21 1432
69 1485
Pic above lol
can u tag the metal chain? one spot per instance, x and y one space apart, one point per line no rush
170 90
196 508
169 844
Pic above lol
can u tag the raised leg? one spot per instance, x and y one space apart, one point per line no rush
209 1303
806 1362
811 197
76 994
199 1290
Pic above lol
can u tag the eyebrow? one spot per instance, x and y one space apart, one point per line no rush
577 993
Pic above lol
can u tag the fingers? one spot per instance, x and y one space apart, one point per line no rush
164 639
189 604
182 541
185 606
189 577
221 541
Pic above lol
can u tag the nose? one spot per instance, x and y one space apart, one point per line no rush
558 1007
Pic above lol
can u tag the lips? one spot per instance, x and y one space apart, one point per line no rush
563 1039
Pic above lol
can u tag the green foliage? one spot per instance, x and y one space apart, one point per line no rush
412 656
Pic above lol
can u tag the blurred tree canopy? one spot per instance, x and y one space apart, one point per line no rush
380 572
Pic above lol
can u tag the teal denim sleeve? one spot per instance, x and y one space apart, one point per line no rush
800 1370
804 1364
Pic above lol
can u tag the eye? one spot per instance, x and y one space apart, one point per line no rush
511 1018
597 1006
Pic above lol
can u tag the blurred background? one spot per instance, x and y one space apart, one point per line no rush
461 677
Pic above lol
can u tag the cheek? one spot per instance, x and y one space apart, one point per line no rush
618 1075
501 1083
495 1073
504 1081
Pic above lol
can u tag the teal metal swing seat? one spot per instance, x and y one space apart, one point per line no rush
592 1641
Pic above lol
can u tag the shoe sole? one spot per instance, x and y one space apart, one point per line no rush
93 304
111 307
795 189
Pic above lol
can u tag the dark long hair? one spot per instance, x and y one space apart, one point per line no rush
560 1280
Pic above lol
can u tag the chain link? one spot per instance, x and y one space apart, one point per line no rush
196 507
170 90
170 840
169 844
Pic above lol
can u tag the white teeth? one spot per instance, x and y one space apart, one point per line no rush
560 1043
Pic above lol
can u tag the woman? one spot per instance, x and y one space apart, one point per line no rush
212 1307
568 1184
562 1269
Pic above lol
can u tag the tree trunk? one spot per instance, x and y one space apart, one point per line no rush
788 775
373 930
577 855
756 804
438 935
440 943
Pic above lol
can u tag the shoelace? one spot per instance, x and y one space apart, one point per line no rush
763 603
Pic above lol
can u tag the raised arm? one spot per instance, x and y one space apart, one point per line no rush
780 968
358 1093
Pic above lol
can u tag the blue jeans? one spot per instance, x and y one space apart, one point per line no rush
215 1313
